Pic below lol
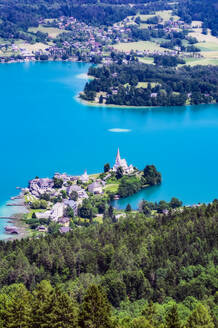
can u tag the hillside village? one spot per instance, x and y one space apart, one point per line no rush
66 38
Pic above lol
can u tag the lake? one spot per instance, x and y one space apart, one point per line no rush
45 129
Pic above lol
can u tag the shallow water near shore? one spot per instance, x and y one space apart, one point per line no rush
45 129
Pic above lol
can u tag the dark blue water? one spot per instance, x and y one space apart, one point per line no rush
44 129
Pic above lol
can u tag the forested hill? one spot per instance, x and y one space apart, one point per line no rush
138 257
21 14
16 16
200 10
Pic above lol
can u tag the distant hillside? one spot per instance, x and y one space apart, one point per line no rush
17 16
203 10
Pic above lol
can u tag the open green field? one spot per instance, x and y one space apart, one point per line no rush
31 47
52 31
96 175
145 84
207 46
146 60
201 61
112 187
140 46
164 14
30 213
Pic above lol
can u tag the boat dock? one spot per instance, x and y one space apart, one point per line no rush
16 197
15 204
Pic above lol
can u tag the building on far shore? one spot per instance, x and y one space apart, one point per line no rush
123 164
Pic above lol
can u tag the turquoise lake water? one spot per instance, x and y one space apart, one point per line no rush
45 129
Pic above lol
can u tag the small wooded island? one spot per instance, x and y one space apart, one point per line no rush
65 200
138 84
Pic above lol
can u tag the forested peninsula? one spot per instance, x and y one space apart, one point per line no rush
138 84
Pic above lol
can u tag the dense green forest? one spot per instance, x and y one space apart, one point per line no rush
166 86
164 258
47 307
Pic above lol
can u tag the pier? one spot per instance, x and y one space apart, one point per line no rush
8 217
16 197
15 204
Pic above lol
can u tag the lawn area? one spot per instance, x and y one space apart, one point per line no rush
113 187
30 213
98 219
145 84
146 60
164 14
29 198
207 46
201 61
53 32
140 46
94 176
31 47
197 33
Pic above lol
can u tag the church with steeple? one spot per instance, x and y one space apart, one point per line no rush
123 164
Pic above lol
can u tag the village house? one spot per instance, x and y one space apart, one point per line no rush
72 204
64 222
57 211
38 186
81 192
42 228
95 188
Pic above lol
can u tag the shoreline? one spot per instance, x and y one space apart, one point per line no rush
95 104
13 217
43 61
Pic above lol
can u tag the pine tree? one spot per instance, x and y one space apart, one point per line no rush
17 312
172 318
200 318
95 310
42 305
63 311
140 322
150 312
128 208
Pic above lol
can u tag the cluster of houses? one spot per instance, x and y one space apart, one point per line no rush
81 186
80 41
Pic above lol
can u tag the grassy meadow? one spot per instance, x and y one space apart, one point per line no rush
52 31
140 46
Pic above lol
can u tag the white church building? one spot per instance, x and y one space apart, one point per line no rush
122 163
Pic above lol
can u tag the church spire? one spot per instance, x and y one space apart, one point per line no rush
118 155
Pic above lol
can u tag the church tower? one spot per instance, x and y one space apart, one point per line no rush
118 156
